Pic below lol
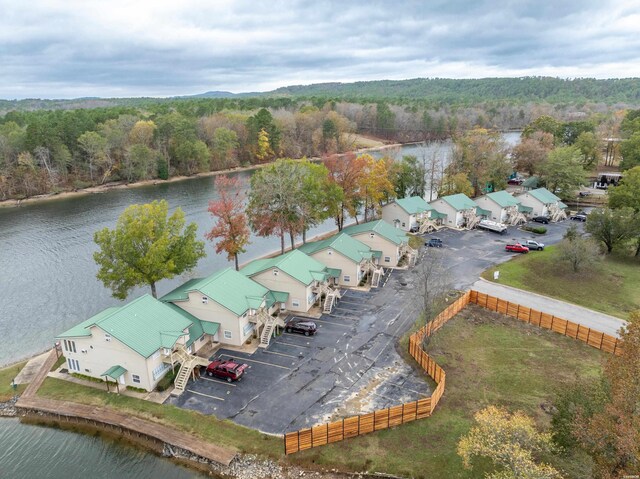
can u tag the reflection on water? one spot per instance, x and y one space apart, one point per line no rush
28 451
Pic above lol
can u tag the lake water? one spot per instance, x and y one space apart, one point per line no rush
48 284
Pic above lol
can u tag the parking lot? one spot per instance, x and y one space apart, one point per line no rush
351 365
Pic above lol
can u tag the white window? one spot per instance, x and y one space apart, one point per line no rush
387 259
205 300
107 337
371 235
247 328
346 278
74 365
295 303
329 252
227 334
275 272
135 378
159 369
70 346
403 225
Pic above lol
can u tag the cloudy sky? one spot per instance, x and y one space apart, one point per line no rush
76 48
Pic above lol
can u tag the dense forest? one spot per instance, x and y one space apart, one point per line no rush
420 92
49 146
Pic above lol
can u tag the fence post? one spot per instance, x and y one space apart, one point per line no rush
552 318
601 339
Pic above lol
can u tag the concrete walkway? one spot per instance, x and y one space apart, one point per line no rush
587 317
26 375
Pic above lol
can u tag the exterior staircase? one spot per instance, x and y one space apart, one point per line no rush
515 217
330 296
376 276
471 220
556 214
187 363
412 254
427 225
267 331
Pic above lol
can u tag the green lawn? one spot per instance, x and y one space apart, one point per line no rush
489 359
223 433
611 286
6 375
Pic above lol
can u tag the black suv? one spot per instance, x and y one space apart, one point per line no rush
434 243
301 326
541 219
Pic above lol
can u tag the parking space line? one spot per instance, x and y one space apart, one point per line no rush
292 344
331 322
226 383
259 362
279 354
206 395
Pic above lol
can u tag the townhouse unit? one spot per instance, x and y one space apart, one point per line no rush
406 213
460 210
342 252
135 344
301 278
543 203
238 307
503 207
381 236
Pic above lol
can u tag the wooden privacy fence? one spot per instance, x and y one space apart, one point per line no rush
596 339
389 417
396 415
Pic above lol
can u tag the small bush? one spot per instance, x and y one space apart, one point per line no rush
167 381
87 378
539 230
138 390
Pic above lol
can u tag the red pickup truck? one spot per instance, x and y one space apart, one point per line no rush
226 369
516 248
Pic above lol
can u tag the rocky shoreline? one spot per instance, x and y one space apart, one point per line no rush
8 408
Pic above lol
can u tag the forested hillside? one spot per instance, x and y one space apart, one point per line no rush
464 92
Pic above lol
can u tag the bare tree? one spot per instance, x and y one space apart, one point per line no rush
434 281
580 253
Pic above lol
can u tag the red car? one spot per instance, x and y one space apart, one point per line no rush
516 248
226 369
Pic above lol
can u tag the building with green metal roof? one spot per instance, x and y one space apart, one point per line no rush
459 209
406 213
499 206
294 273
542 203
126 343
226 298
380 236
346 255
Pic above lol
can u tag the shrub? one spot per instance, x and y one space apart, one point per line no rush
167 381
138 390
539 230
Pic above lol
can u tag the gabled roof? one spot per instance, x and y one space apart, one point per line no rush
295 263
144 325
343 243
544 196
198 327
503 199
413 204
228 287
380 227
459 202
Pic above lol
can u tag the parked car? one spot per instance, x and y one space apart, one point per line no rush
533 245
516 181
301 326
584 193
434 243
540 219
516 248
226 369
414 229
578 217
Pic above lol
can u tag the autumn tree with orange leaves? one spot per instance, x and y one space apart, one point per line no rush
231 221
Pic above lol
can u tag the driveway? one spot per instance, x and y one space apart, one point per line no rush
587 317
349 367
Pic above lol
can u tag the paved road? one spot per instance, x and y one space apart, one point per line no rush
577 314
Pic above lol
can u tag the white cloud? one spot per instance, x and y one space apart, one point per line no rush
113 48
